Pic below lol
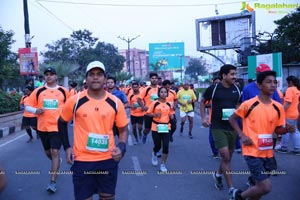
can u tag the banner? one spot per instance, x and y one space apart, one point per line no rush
28 58
166 56
273 60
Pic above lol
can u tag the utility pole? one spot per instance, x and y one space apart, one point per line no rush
26 25
128 40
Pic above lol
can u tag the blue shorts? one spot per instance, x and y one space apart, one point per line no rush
91 178
260 168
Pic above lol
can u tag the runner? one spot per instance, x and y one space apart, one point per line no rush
29 120
148 95
225 98
47 102
162 112
261 117
172 99
291 101
136 113
96 157
186 97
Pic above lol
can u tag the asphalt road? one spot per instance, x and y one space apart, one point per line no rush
190 168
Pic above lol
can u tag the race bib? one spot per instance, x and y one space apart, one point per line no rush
227 112
50 104
186 97
97 142
265 141
153 97
136 105
162 128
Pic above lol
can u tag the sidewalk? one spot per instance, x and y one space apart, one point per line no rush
10 123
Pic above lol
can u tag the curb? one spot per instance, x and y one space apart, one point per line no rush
5 131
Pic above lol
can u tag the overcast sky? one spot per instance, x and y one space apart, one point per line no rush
172 21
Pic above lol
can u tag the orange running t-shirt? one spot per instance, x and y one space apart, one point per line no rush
172 97
22 102
291 96
94 120
136 110
52 100
149 94
165 110
259 126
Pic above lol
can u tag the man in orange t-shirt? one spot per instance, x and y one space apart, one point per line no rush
96 156
261 116
148 95
136 113
29 120
47 102
291 101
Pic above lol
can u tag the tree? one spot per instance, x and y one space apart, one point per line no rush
81 48
9 68
195 68
285 38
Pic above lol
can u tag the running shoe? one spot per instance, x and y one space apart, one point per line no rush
277 147
163 168
296 152
218 181
190 136
158 154
238 150
283 150
51 187
235 194
30 140
181 130
154 159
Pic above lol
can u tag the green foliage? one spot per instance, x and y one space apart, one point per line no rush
9 102
195 68
122 76
81 48
8 59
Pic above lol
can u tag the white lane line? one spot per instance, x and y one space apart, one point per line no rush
137 166
130 143
10 141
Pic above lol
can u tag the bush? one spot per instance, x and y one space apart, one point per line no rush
9 102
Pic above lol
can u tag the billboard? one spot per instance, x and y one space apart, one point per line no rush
273 60
166 56
225 31
28 58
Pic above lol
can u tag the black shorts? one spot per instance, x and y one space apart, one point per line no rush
29 122
51 140
94 177
147 122
136 120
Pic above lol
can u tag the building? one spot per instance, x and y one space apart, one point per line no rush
138 62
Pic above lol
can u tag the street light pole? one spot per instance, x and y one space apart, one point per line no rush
128 40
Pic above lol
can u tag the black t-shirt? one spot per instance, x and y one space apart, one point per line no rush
223 98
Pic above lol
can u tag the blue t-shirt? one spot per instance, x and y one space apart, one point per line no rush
251 90
120 95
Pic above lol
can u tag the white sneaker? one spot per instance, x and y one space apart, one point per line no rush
154 159
277 147
163 168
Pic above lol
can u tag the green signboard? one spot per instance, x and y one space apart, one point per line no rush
166 56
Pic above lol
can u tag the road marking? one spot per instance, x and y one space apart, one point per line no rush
137 166
6 143
130 143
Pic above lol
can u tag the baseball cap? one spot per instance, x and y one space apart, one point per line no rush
262 68
50 69
95 64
